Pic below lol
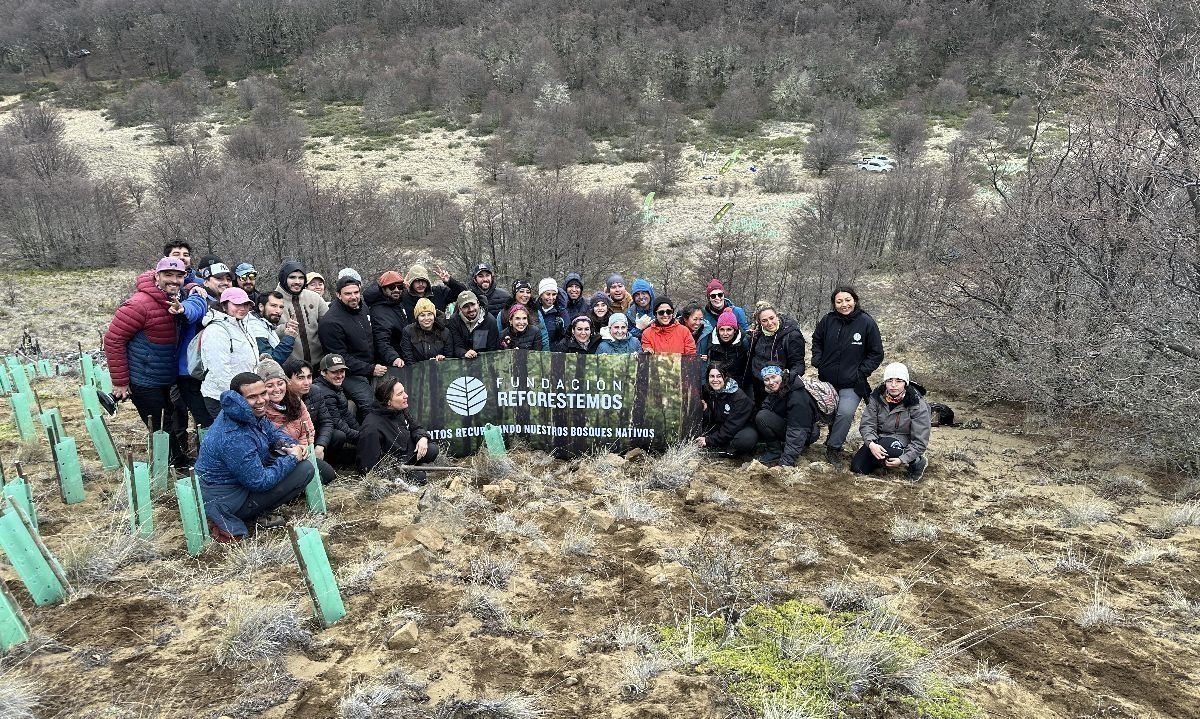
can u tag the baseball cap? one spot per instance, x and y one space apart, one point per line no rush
216 268
244 269
170 264
313 276
236 295
332 362
482 267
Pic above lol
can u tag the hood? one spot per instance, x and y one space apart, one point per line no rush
737 339
641 285
235 407
731 386
145 285
912 396
479 291
572 277
847 319
417 272
373 295
287 268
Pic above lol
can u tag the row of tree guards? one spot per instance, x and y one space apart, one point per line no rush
144 481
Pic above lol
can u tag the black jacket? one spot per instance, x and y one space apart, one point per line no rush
440 295
417 345
732 356
388 320
329 410
569 345
785 348
496 299
484 338
348 333
387 433
728 413
846 349
799 410
530 339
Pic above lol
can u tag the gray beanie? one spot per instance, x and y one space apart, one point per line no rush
269 369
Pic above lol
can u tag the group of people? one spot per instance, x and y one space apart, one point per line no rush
273 372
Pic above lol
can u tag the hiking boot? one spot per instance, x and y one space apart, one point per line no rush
772 455
916 470
835 456
271 521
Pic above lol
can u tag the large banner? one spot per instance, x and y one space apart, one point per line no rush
564 403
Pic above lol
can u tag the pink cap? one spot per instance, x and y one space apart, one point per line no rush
236 295
169 264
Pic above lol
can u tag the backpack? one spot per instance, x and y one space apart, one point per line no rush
826 396
195 358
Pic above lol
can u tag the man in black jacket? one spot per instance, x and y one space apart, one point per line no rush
388 318
337 429
345 330
786 420
483 285
472 331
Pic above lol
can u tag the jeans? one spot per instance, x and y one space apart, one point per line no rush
358 390
742 443
864 462
154 407
290 487
189 394
848 401
212 406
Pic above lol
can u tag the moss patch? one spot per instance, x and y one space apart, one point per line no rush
797 654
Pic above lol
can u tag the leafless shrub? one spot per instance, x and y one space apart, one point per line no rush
663 171
842 596
492 571
481 603
675 468
727 577
1121 488
384 698
20 695
515 706
34 452
907 529
259 631
95 557
775 177
1083 513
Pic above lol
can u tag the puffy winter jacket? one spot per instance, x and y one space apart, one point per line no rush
197 309
799 411
577 307
846 349
307 308
554 324
269 341
785 348
235 459
483 337
228 350
711 317
496 298
703 338
570 345
348 332
329 409
417 345
387 433
530 339
300 429
907 421
627 346
141 341
729 412
731 356
388 320
672 338
634 312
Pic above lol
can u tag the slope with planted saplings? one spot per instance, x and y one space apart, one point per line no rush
1024 577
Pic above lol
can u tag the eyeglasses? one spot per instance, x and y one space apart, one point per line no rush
716 295
665 313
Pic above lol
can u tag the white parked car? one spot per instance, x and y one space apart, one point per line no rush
874 166
881 158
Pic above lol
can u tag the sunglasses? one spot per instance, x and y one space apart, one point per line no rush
716 295
250 276
664 313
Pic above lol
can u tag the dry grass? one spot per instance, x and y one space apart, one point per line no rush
907 529
1171 520
383 698
675 468
515 706
258 552
579 540
1084 513
1121 488
356 577
20 695
631 504
842 596
1141 554
95 557
491 571
259 632
637 673
1098 612
1072 562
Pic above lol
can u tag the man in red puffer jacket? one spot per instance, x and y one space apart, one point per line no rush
141 344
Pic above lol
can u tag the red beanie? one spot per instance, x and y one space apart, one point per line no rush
714 285
727 318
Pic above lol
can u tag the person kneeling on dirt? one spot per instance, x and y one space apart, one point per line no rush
786 418
389 432
727 413
247 467
894 427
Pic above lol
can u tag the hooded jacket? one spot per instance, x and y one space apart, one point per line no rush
729 412
235 459
307 308
440 295
628 346
712 317
785 348
268 339
300 429
197 312
570 345
672 338
846 349
496 297
387 433
417 345
329 409
703 338
228 350
799 411
633 312
348 332
141 343
388 319
554 324
732 356
531 339
483 336
577 307
908 421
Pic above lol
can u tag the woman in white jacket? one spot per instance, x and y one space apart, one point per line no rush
227 347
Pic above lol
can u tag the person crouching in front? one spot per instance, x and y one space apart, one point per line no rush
389 432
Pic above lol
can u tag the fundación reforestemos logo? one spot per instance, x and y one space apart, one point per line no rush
466 396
